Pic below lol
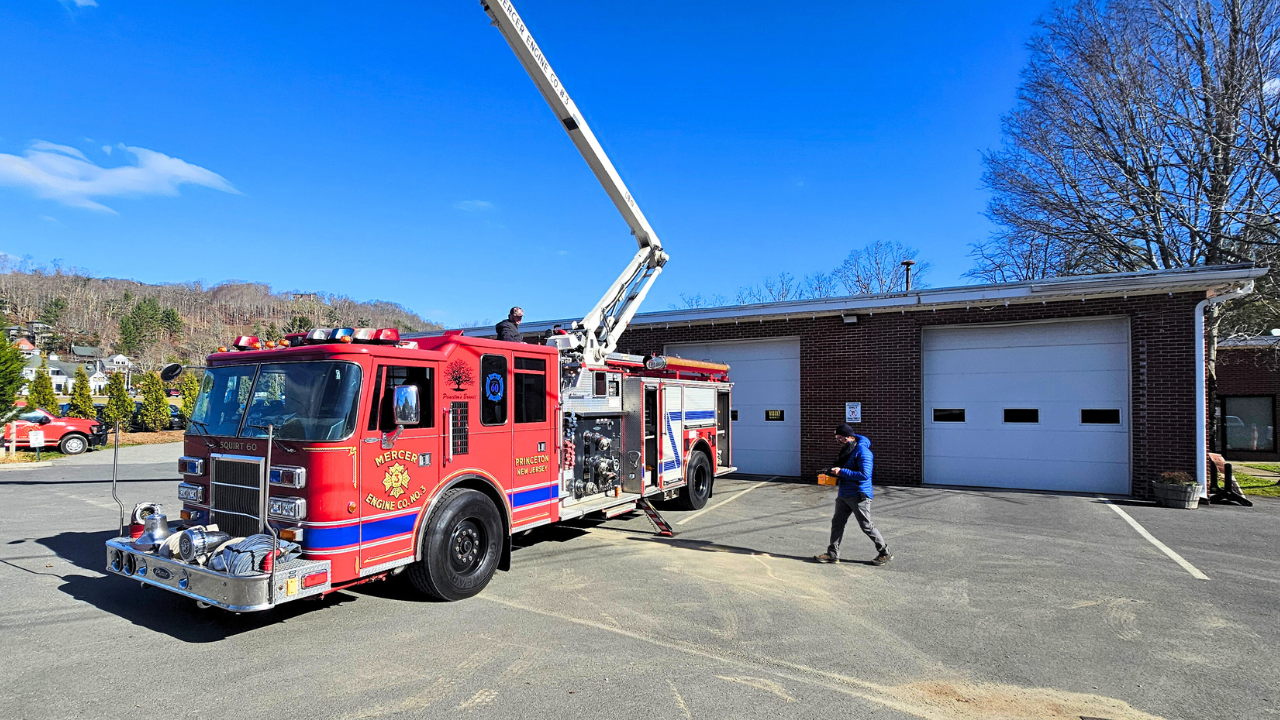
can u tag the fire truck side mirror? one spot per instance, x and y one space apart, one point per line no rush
170 372
407 409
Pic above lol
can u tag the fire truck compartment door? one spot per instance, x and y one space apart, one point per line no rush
633 479
672 430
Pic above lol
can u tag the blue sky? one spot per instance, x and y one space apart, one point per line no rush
401 153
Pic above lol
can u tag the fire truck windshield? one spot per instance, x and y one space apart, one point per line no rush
314 401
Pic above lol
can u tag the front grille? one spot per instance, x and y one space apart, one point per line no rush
234 496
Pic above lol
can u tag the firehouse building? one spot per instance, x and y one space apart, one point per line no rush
1082 384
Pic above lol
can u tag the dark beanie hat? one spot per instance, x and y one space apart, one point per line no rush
845 429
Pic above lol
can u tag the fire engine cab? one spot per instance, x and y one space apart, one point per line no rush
342 455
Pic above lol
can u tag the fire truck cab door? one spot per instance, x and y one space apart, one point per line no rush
396 481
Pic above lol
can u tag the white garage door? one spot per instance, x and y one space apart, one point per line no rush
1041 406
766 399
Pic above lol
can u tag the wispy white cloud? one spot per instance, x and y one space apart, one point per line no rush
474 205
80 3
106 149
64 174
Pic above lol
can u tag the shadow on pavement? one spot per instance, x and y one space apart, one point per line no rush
87 482
708 546
155 609
399 588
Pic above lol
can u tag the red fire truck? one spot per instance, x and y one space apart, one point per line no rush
344 454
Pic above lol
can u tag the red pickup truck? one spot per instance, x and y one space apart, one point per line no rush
72 435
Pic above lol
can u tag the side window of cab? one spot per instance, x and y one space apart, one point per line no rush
382 415
493 390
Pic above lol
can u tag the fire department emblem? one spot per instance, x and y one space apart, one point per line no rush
493 386
396 480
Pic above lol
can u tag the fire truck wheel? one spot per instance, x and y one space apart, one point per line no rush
462 543
694 495
73 445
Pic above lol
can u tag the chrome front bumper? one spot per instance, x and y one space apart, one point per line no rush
236 593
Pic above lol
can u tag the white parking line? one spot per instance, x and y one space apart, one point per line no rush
722 502
1163 548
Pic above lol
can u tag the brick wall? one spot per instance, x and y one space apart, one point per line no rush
876 361
1249 371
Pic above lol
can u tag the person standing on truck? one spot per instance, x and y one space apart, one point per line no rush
853 472
509 329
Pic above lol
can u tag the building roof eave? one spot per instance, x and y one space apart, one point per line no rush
1149 282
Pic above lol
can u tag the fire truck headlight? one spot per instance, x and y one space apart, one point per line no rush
191 465
190 493
114 561
129 564
288 508
289 476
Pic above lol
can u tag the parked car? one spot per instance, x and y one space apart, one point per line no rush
177 421
174 392
1247 436
72 436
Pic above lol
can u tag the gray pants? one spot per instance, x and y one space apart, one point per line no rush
859 507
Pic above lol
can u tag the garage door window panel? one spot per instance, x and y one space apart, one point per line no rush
1249 423
948 415
1100 416
1022 416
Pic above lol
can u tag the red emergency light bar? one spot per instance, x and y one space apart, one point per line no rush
315 336
377 335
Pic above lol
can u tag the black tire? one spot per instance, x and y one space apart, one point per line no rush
698 486
73 444
461 546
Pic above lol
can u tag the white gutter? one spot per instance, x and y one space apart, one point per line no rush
1202 393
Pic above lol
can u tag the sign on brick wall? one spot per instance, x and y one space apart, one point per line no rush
853 412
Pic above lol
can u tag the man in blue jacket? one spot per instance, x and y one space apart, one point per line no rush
853 469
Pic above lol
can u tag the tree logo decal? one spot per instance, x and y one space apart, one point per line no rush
396 480
493 385
459 373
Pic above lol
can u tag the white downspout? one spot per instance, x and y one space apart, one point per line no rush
1202 399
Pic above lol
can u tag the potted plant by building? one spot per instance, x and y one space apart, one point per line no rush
1177 490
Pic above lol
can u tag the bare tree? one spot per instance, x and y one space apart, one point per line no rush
698 300
820 285
1146 136
877 268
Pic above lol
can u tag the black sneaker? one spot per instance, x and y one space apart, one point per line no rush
825 558
882 558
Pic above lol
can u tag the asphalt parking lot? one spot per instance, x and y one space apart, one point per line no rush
997 605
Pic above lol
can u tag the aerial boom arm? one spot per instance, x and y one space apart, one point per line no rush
598 333
517 35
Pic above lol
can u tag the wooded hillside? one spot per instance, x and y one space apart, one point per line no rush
155 324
